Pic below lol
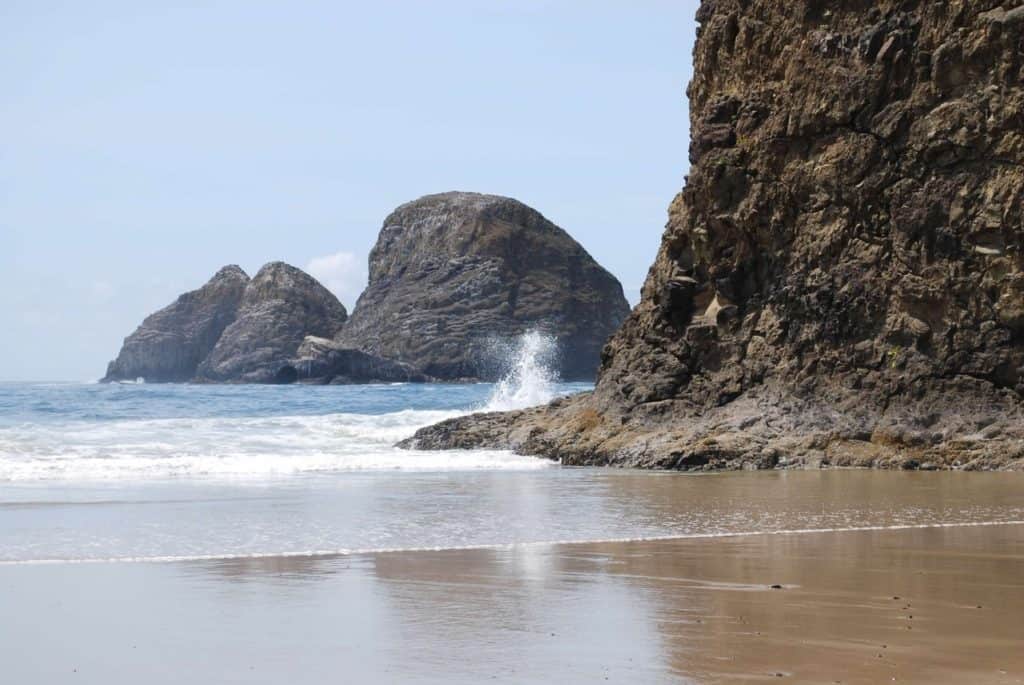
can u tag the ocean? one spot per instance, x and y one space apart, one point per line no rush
92 472
260 534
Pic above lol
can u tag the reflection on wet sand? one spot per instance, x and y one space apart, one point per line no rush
295 568
930 605
922 605
518 615
333 513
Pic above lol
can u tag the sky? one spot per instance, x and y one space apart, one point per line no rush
143 145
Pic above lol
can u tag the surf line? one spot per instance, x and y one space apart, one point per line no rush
344 552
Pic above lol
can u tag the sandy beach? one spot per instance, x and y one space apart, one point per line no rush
465 342
918 605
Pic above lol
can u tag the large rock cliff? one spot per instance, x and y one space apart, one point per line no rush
841 281
453 273
170 344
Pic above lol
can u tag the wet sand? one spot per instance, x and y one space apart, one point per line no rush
924 605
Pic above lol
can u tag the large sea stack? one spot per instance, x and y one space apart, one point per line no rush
453 274
842 279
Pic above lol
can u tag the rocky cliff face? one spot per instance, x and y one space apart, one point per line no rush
170 344
842 278
450 273
280 307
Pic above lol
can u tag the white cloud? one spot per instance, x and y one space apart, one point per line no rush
342 273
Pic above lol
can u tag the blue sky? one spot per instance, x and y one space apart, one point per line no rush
146 144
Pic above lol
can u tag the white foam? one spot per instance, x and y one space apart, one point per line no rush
507 546
263 446
531 379
267 446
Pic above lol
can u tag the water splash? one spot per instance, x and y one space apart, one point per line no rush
531 378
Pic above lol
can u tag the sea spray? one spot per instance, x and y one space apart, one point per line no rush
530 379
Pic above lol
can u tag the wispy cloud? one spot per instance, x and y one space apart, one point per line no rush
343 273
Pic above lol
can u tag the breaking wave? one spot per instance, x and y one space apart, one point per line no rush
531 379
99 432
263 446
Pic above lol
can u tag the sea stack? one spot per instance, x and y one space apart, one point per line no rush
233 329
281 306
170 344
452 274
842 279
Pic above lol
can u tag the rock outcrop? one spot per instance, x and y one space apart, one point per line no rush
323 361
841 281
281 306
452 273
170 344
275 328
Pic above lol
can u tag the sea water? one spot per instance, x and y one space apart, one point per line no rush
92 472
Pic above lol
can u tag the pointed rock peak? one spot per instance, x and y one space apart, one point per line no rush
230 272
277 267
281 307
170 344
278 271
284 281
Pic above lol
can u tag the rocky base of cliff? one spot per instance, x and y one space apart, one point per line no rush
770 428
321 361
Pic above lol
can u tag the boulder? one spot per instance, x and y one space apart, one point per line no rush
323 361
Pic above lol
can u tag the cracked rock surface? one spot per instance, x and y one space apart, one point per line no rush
240 330
453 273
281 306
171 343
841 280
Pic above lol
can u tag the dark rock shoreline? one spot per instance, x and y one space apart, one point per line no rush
841 281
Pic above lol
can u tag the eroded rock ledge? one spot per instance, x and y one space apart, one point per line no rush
841 280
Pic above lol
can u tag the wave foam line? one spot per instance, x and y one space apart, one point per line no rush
309 554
